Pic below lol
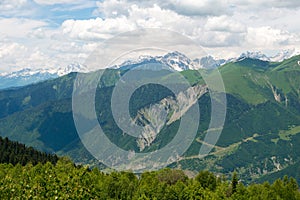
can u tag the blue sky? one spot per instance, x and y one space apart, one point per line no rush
55 33
50 12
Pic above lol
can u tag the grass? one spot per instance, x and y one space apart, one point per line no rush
242 81
285 135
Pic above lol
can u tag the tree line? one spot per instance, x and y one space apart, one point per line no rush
17 153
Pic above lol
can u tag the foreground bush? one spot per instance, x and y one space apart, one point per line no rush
67 181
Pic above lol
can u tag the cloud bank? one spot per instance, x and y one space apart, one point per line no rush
44 33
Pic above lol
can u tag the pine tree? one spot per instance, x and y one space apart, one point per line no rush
234 182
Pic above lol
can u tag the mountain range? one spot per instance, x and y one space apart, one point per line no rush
259 140
28 76
173 60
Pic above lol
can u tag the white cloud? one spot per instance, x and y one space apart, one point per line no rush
8 50
96 29
262 37
187 7
202 8
112 8
162 18
16 8
9 54
38 33
53 2
227 23
262 4
220 39
135 17
17 27
224 24
14 56
6 5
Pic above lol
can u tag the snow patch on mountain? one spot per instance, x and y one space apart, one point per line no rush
173 61
74 67
279 57
28 76
254 55
284 54
209 62
178 61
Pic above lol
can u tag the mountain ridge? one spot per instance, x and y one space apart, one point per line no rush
28 76
173 60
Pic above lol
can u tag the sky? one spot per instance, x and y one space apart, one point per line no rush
55 33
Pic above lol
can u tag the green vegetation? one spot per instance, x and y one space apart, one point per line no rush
67 181
16 153
285 135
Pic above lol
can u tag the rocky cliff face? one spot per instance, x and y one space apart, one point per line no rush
167 111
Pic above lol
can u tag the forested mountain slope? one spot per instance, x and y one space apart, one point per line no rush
260 136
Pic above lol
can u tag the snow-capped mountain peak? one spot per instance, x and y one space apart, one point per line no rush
177 61
209 62
173 60
74 67
28 76
284 54
254 55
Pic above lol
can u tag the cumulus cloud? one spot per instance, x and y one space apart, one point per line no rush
247 38
202 8
262 4
67 5
10 54
8 50
14 55
187 7
6 5
137 17
53 2
220 39
19 27
96 29
224 24
16 8
268 37
112 8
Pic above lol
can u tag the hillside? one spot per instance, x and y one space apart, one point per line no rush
260 136
17 153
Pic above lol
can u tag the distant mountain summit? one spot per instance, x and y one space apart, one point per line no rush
285 54
282 55
174 61
254 55
28 76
